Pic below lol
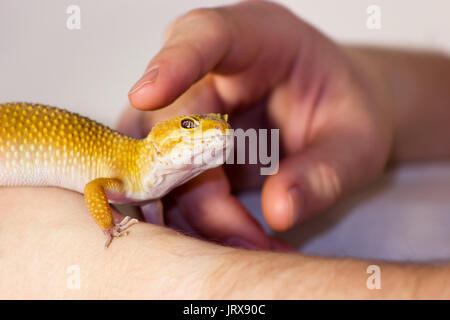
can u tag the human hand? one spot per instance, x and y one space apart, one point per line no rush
332 108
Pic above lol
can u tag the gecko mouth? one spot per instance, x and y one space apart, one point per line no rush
219 139
211 137
202 152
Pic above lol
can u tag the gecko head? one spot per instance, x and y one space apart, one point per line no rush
185 146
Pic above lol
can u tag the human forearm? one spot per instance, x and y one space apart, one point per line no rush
266 275
419 84
47 239
52 232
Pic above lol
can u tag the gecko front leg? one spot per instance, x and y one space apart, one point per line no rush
100 210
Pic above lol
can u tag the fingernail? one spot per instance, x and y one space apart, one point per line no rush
147 78
237 242
295 205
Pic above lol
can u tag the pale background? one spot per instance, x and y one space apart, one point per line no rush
405 216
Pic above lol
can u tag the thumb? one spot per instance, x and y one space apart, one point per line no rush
312 180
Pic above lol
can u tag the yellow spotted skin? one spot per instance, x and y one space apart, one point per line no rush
97 201
47 146
68 149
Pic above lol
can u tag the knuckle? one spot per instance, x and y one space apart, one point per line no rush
169 31
326 181
205 14
211 19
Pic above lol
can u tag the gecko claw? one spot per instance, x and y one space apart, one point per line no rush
119 229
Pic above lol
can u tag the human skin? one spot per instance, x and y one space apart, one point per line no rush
344 112
45 231
376 106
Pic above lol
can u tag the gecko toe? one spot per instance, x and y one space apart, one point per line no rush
119 230
126 223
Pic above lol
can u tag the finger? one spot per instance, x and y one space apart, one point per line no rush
227 40
153 212
182 61
199 99
208 206
310 181
176 220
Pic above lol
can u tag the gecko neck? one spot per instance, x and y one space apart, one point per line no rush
148 154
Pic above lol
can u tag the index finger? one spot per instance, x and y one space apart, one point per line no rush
226 40
195 45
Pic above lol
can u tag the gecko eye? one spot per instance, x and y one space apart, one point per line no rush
188 124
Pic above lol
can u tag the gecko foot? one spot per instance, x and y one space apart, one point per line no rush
119 229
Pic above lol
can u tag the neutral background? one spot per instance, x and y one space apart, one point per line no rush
404 216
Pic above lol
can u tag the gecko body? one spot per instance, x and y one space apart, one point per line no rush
47 146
